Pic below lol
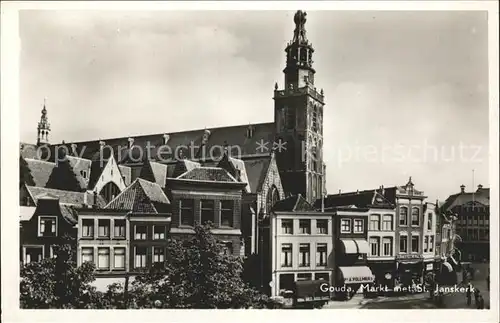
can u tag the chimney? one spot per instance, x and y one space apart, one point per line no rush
166 137
462 188
73 150
130 142
357 191
340 191
479 186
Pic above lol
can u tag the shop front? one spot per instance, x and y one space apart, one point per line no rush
385 273
350 279
447 275
409 271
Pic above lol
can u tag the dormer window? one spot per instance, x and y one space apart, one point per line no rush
47 226
250 132
84 174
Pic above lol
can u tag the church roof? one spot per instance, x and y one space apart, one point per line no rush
256 169
126 174
79 166
212 141
28 150
141 196
40 171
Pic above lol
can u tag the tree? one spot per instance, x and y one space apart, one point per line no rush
58 283
197 274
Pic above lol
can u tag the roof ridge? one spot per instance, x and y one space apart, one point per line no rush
170 133
39 160
78 157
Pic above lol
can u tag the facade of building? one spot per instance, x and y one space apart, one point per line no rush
49 218
382 239
473 224
104 240
148 223
429 242
351 248
301 244
381 234
207 194
409 233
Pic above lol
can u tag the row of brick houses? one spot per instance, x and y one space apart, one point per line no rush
129 234
384 236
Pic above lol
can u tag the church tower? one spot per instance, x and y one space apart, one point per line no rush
43 128
298 118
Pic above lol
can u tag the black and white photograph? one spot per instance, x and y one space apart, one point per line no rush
293 157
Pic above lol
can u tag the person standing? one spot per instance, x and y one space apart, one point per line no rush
477 294
480 302
468 294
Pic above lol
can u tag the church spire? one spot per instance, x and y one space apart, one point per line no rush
298 71
43 127
299 34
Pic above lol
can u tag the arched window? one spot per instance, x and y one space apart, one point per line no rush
415 215
109 191
271 198
403 216
314 121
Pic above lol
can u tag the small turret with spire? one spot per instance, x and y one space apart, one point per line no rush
43 127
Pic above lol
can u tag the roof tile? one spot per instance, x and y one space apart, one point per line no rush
208 174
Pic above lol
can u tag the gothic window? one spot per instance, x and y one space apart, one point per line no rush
289 118
314 155
109 191
314 123
271 198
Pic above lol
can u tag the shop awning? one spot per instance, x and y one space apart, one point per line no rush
350 246
448 266
363 246
357 274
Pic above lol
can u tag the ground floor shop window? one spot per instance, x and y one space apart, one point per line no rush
322 276
286 282
304 276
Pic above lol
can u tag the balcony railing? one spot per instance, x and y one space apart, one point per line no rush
300 91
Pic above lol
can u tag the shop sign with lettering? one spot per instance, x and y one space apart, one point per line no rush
363 279
409 256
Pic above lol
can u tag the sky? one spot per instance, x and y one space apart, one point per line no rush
406 92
